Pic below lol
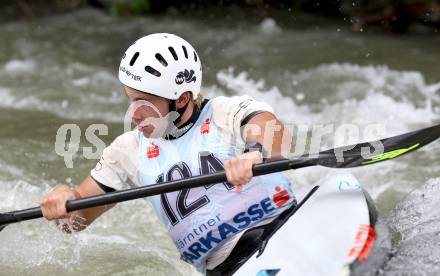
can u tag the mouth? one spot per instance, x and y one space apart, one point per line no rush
142 128
140 125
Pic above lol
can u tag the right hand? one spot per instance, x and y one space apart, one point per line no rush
239 169
53 205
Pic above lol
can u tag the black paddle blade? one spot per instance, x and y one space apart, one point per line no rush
2 225
378 151
17 216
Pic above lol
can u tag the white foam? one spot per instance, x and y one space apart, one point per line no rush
81 81
269 26
349 94
416 219
6 97
77 91
361 95
285 107
19 66
41 244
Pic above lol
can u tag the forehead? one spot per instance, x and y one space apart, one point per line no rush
133 93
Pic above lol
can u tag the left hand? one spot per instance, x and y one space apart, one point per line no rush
239 169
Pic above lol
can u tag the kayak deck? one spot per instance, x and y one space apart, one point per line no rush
331 231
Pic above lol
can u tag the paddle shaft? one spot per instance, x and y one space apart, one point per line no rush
155 189
343 157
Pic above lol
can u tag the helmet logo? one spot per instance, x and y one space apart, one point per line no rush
185 76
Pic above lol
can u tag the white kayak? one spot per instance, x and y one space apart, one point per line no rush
332 230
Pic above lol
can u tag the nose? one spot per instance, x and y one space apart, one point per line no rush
137 116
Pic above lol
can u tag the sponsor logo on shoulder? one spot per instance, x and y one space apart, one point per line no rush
204 128
185 76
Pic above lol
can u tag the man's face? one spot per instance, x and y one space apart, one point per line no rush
148 112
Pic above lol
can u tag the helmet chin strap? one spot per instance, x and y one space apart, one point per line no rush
180 111
172 124
172 131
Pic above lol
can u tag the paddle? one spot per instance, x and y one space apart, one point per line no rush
342 157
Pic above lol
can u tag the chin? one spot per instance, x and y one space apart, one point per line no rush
148 133
153 131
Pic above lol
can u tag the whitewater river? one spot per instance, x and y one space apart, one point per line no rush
62 70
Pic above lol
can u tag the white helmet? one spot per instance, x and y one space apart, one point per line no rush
162 64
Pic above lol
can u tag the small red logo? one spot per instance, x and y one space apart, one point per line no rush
364 240
152 151
281 197
204 129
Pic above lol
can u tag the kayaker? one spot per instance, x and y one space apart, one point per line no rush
179 134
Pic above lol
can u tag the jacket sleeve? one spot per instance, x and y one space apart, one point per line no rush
118 166
231 113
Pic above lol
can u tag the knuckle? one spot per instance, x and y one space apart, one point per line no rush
61 210
44 212
229 178
48 215
50 200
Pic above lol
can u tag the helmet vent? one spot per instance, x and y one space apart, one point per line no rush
133 59
173 53
152 71
195 57
185 52
160 58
